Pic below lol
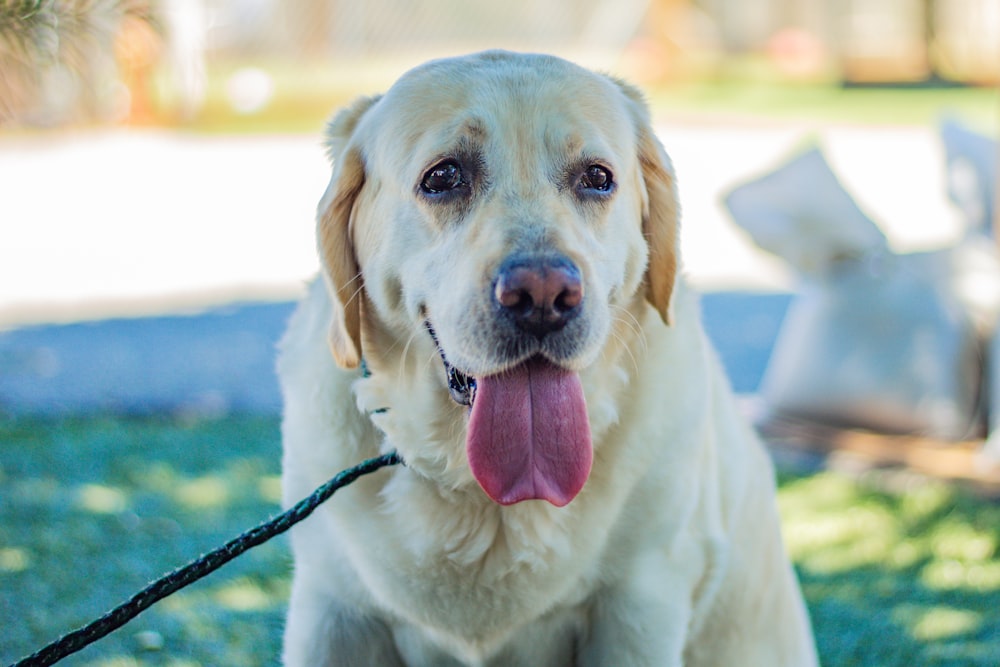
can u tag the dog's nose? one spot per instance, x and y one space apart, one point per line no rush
541 294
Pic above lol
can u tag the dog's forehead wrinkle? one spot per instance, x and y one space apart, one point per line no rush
513 142
544 158
460 139
474 128
558 139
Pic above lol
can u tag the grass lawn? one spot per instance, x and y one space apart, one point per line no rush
92 509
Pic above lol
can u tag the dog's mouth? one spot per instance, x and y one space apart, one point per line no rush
528 435
462 387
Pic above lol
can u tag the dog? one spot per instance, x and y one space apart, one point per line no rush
500 303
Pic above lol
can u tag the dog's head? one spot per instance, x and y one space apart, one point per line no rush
510 208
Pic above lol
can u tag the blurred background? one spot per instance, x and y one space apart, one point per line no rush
140 139
164 156
264 64
160 164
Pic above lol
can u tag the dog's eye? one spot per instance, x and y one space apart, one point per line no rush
597 178
442 177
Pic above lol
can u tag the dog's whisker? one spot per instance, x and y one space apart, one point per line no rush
432 358
623 315
625 346
354 279
630 320
403 355
628 351
632 326
356 292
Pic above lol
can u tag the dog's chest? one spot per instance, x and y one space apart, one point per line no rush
474 571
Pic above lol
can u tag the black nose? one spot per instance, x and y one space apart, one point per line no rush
542 294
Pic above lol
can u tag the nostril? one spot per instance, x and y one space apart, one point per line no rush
518 291
569 298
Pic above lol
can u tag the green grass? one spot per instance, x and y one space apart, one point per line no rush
92 509
905 577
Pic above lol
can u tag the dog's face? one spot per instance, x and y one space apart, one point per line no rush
510 208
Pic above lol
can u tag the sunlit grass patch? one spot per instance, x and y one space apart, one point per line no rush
203 493
93 509
896 576
937 622
829 528
269 489
14 559
245 595
101 499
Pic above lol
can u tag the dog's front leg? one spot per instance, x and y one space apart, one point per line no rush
322 632
644 618
634 631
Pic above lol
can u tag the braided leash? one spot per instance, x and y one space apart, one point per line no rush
197 569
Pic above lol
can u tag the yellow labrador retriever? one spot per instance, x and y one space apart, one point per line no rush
501 300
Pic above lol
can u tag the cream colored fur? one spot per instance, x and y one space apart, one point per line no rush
671 555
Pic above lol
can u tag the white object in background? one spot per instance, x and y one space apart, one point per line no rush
886 341
801 213
971 163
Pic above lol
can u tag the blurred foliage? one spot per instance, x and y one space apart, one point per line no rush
306 95
147 62
895 573
59 58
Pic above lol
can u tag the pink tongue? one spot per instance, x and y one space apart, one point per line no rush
529 437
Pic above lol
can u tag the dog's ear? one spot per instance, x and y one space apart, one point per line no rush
334 232
661 210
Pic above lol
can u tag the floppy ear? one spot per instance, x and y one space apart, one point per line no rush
660 224
334 232
661 211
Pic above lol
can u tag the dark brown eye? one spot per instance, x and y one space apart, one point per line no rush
443 177
596 178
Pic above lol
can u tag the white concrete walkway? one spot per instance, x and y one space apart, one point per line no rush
127 222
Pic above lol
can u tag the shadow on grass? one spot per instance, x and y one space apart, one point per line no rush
896 571
92 509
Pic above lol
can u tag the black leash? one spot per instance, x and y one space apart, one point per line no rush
197 569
